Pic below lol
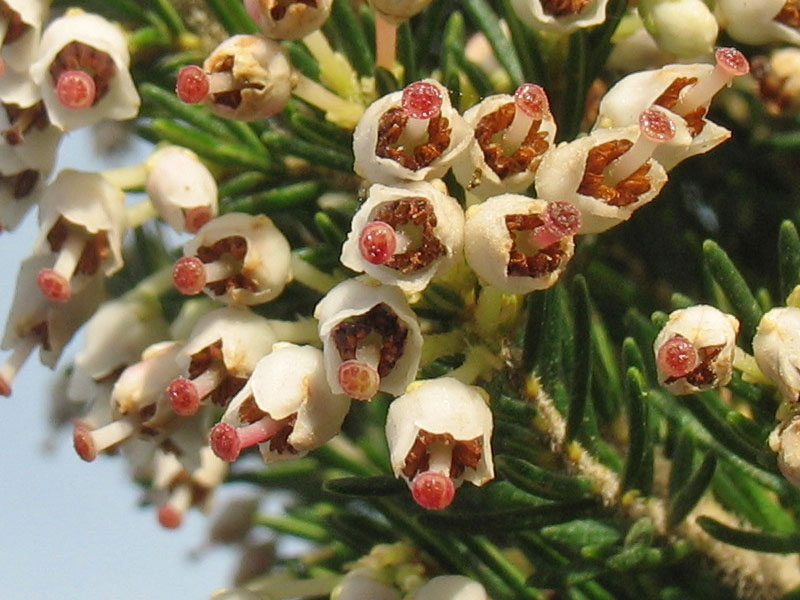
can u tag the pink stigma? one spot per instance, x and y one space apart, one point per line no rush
378 242
532 100
224 441
422 100
53 285
433 491
562 218
656 126
189 275
183 397
732 61
677 357
358 379
169 517
192 85
195 218
83 442
76 90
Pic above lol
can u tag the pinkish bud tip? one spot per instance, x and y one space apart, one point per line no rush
422 100
532 100
183 397
76 90
224 442
378 242
734 62
189 275
53 285
253 9
195 218
83 442
656 126
192 85
5 387
433 491
677 357
169 517
359 380
2 67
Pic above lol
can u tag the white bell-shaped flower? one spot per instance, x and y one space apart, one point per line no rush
371 339
20 28
413 134
82 220
520 244
286 407
583 173
761 22
694 351
778 79
405 236
288 20
439 435
182 189
219 356
237 259
451 587
685 28
82 71
554 15
362 584
776 348
511 135
785 441
397 11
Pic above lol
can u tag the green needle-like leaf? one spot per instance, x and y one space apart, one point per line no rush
484 18
752 540
689 494
788 258
581 384
541 482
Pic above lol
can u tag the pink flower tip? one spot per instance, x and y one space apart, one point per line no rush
76 90
53 285
183 397
169 517
433 491
224 442
378 242
677 357
195 218
532 100
83 442
656 126
192 85
732 61
5 387
422 100
189 275
358 379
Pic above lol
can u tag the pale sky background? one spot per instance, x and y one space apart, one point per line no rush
70 529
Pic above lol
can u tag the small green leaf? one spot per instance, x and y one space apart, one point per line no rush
637 431
788 258
682 462
541 482
582 532
484 18
379 485
689 494
751 540
581 384
232 16
313 153
352 37
276 199
242 183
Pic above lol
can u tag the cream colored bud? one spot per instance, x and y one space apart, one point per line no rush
755 23
451 587
540 15
776 347
397 11
283 20
685 28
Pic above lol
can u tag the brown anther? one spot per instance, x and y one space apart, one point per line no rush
21 184
22 119
419 212
232 98
278 8
533 146
543 262
77 56
390 128
624 193
669 98
563 8
96 249
790 14
383 321
234 246
228 386
465 453
249 412
703 374
15 28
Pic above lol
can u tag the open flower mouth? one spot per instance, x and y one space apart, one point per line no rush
391 126
209 359
21 184
22 120
490 128
789 15
695 121
96 248
228 254
703 374
623 193
279 8
232 98
564 8
412 218
15 28
80 57
466 453
523 259
381 320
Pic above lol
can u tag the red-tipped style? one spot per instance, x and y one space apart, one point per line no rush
532 100
76 90
422 100
433 491
358 379
677 357
378 242
183 397
189 275
53 285
192 85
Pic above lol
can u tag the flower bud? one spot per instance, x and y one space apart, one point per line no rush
370 337
405 236
776 348
785 441
685 28
694 351
552 15
291 20
286 407
237 259
409 135
362 584
520 244
97 84
182 189
21 35
779 79
451 587
440 430
397 11
757 23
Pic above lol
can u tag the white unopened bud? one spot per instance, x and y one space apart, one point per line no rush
291 20
785 441
759 22
410 135
685 28
21 25
553 15
405 236
363 584
182 189
776 348
397 11
451 587
371 339
695 349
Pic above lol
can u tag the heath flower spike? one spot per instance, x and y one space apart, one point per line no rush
237 259
557 15
695 349
410 135
761 22
405 236
182 189
82 70
81 220
439 435
776 348
451 587
520 244
288 19
371 339
511 135
286 407
221 353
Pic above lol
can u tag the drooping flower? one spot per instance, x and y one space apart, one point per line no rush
685 28
288 20
761 22
557 15
776 348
